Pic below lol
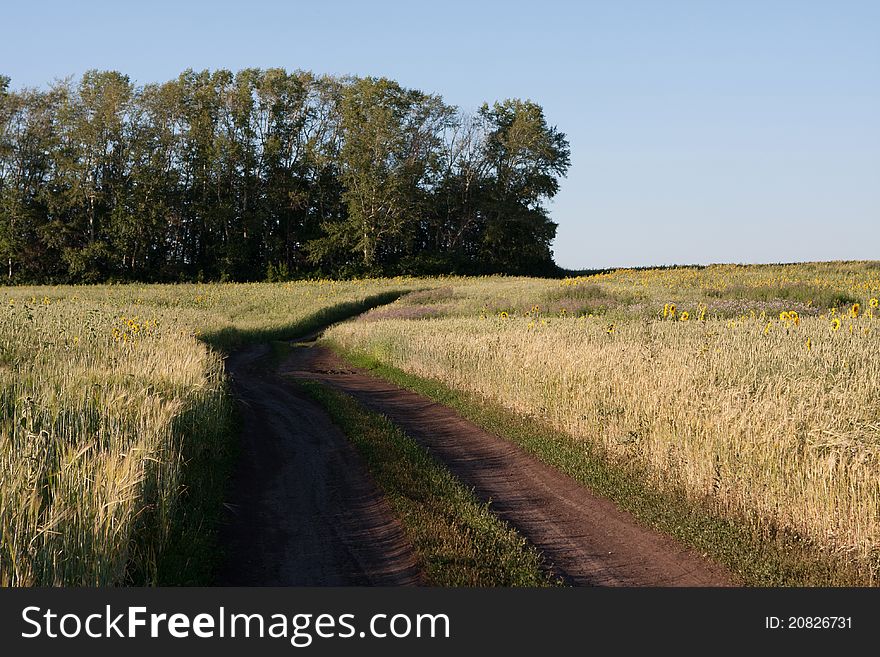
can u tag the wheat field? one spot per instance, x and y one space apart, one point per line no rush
740 386
754 390
108 393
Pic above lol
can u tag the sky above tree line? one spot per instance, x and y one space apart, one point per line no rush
700 131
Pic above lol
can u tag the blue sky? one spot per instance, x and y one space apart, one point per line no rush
700 131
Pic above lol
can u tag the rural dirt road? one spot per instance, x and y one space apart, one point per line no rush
587 539
301 510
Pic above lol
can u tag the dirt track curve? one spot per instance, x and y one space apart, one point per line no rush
301 510
589 541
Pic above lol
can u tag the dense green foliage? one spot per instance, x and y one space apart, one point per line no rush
265 174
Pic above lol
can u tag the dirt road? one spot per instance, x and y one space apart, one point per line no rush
589 541
301 510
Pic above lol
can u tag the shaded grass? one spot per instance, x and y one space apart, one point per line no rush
759 555
458 540
193 554
229 338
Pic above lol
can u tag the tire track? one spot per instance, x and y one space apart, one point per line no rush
302 510
588 539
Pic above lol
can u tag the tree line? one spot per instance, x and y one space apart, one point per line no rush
269 174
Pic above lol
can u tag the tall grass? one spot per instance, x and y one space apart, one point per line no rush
91 466
773 423
116 420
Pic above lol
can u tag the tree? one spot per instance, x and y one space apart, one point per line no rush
140 224
454 226
91 165
10 120
388 136
236 176
526 157
27 140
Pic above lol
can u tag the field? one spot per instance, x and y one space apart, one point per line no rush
754 391
116 423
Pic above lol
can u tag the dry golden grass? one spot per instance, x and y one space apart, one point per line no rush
104 390
771 421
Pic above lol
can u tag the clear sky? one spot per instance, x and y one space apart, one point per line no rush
713 131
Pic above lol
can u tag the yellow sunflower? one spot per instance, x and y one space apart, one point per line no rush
835 324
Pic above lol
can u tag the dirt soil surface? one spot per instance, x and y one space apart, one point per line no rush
587 539
302 511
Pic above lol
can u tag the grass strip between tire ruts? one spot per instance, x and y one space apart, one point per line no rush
458 541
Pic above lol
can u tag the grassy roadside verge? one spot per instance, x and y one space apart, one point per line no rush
458 541
759 558
193 554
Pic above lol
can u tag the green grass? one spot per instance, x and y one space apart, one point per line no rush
193 553
458 541
759 557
